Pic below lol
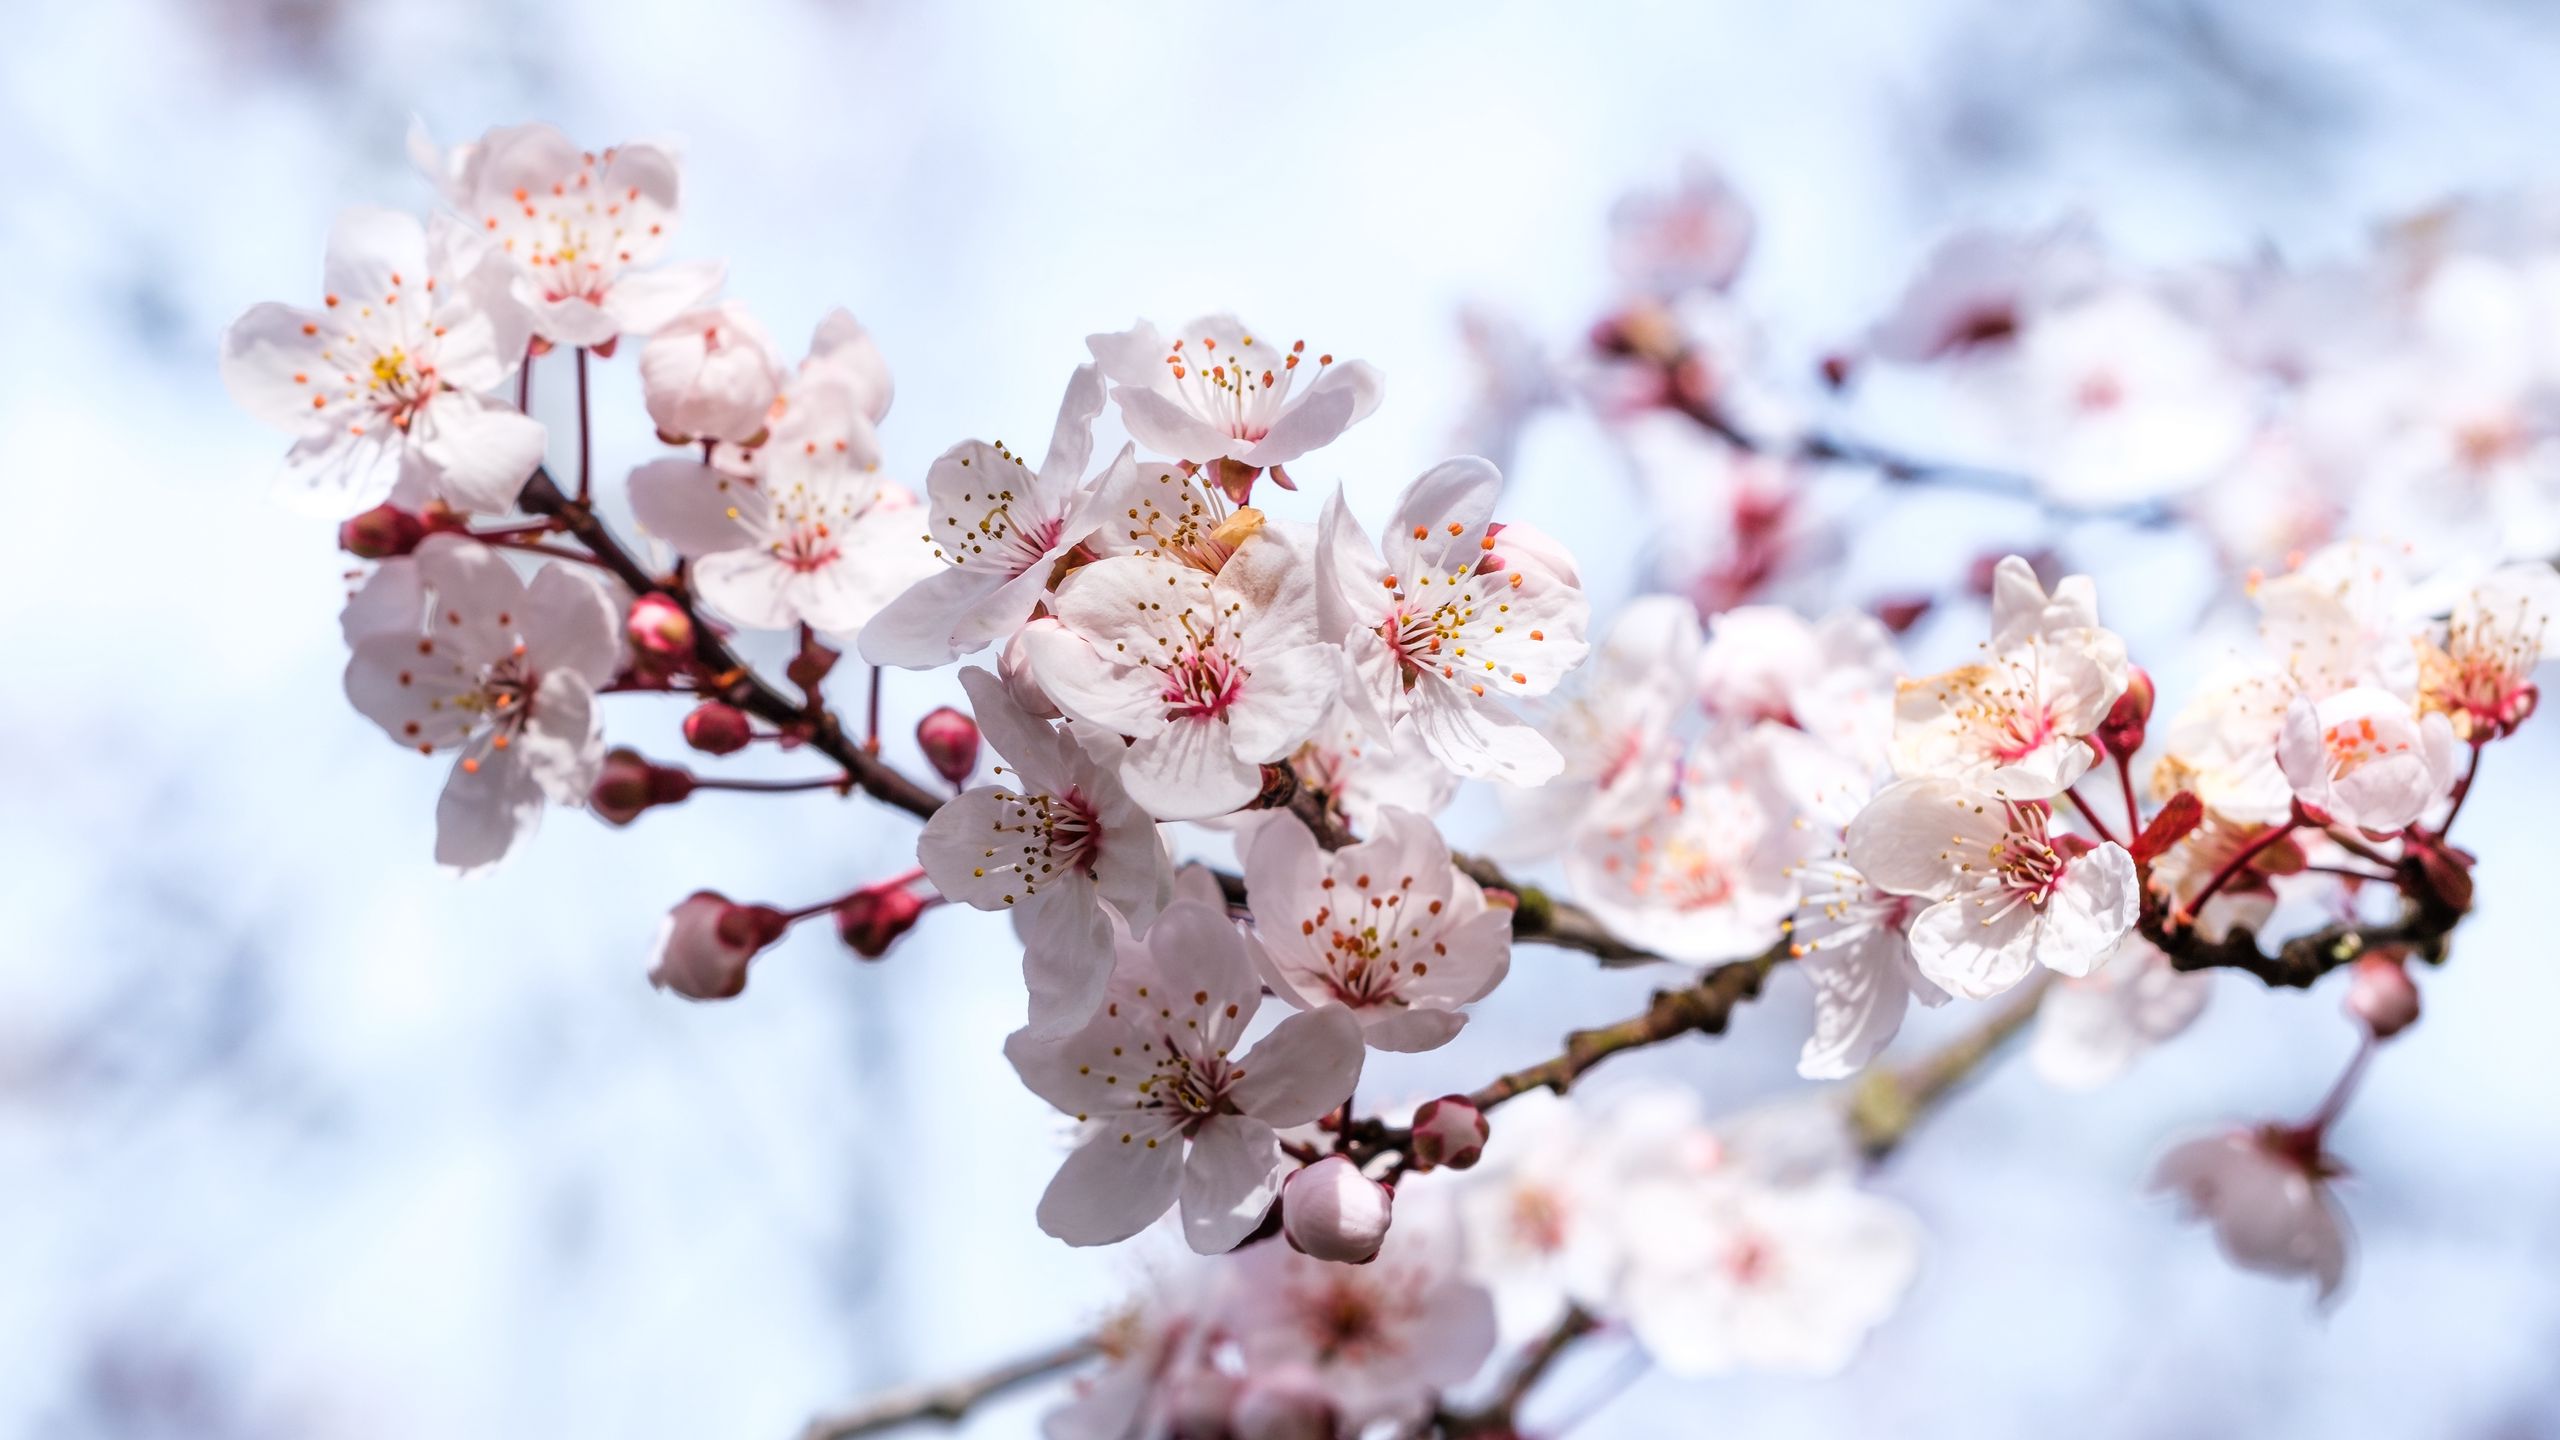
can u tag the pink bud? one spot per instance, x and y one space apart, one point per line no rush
381 532
629 783
1333 1212
659 629
718 728
872 919
1899 613
2382 995
703 949
710 374
2120 734
949 741
1448 1133
1284 1404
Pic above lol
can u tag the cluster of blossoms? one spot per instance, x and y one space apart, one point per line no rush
1155 666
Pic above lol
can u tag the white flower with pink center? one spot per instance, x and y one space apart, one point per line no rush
2480 674
1728 1272
502 672
1167 1109
382 386
1443 629
2006 895
814 535
1387 928
1536 1213
1211 675
1704 872
2265 1192
1219 391
1383 1339
1059 844
2018 720
2367 758
999 529
581 229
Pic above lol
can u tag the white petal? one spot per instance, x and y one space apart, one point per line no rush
1306 1066
1229 1182
1113 1185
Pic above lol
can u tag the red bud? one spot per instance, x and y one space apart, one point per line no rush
630 783
870 921
949 741
717 728
2120 734
1448 1133
381 533
659 630
2382 995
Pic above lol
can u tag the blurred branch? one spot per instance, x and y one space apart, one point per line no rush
1499 1417
947 1402
1887 1104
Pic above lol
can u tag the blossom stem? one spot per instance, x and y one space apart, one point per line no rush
898 882
2105 834
950 1401
521 528
871 734
2353 873
585 464
2462 790
777 787
2335 1104
536 547
2355 846
2132 807
2231 868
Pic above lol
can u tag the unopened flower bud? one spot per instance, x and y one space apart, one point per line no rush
717 727
1284 1404
871 920
381 532
658 629
949 741
2120 734
1899 613
2381 994
630 782
1333 1212
703 949
1448 1134
710 374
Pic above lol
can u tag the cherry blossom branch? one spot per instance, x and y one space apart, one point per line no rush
1888 1104
1498 1417
949 1401
752 692
1703 1008
2422 931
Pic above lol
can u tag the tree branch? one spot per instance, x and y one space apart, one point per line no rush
1887 1104
947 1402
1498 1417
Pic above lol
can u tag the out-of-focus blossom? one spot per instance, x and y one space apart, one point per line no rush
1978 290
1613 724
1705 872
2091 1030
2123 400
1833 678
1384 1339
1694 236
2265 1192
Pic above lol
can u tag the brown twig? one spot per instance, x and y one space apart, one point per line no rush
947 1402
1500 1415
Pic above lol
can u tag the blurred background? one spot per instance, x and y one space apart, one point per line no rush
302 1137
